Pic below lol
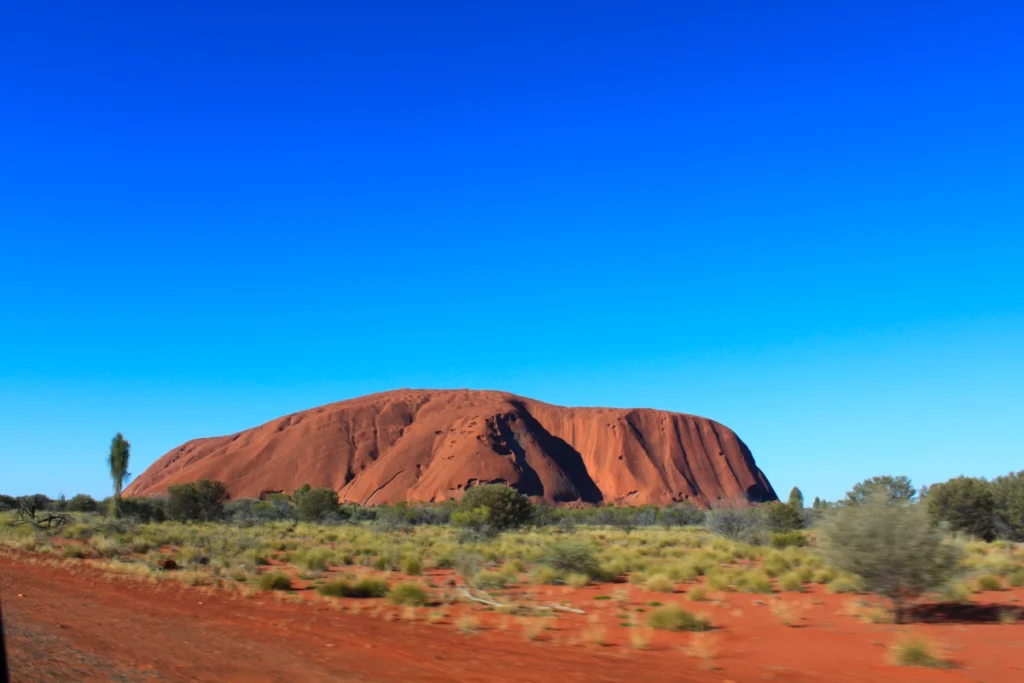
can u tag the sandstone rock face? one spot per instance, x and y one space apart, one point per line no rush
425 445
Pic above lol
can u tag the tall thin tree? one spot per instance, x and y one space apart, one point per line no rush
120 451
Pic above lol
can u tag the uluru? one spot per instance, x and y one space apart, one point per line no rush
431 445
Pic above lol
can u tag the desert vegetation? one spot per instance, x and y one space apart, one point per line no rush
495 560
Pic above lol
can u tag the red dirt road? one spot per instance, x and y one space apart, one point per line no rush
82 626
78 623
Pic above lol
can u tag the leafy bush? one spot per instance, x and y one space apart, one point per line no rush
275 581
738 524
966 504
895 489
1008 505
83 503
315 505
782 517
675 618
201 501
894 547
408 593
504 506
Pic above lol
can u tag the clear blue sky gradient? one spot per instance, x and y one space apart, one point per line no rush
801 220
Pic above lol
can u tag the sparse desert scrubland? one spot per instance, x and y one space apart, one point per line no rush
877 568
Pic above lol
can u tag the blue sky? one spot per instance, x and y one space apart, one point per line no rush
806 222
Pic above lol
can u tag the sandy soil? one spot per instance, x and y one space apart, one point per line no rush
78 623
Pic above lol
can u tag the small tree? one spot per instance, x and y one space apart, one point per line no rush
739 524
783 517
83 503
966 504
1008 505
200 501
506 507
120 451
796 499
893 546
897 489
316 505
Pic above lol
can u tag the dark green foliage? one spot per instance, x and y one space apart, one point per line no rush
680 514
493 506
897 489
37 501
966 504
796 498
893 546
316 505
1008 505
145 509
120 452
201 501
782 517
248 511
8 502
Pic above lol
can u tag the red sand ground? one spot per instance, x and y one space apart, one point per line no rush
427 445
82 624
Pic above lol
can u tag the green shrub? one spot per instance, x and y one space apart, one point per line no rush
314 559
1016 578
966 504
504 508
408 593
83 503
845 584
988 582
315 505
201 501
275 581
572 557
675 618
894 547
789 539
782 518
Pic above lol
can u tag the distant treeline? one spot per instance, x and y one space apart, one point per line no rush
982 508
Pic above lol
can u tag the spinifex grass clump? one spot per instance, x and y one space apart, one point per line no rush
408 593
275 581
675 618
